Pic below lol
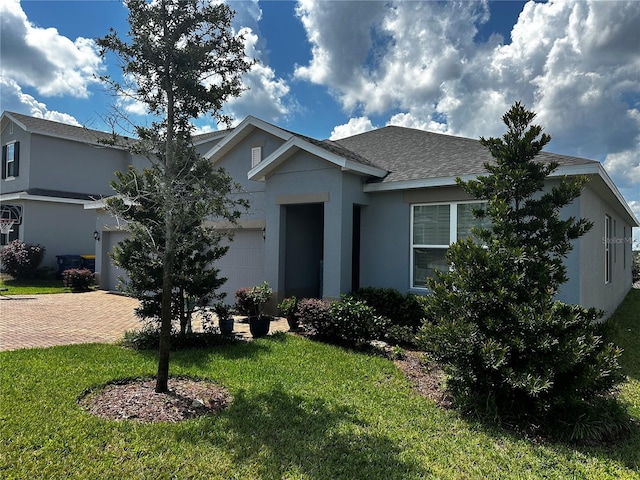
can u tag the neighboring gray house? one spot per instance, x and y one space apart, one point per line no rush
380 209
49 171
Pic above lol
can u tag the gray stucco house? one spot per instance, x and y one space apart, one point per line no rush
49 171
380 209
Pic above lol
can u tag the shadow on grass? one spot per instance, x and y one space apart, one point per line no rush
200 356
276 434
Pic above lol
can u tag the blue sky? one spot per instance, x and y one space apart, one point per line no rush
330 69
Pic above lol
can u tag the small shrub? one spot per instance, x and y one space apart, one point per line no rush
406 312
243 301
251 301
314 315
21 260
79 280
355 321
288 306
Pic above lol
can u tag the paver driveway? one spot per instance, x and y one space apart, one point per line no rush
28 321
33 321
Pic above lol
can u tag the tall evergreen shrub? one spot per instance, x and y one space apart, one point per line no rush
511 351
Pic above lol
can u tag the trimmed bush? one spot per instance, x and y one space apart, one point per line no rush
79 280
314 315
406 312
21 260
355 321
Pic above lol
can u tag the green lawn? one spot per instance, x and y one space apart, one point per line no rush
32 286
301 410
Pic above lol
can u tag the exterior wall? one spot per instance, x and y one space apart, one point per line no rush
308 179
63 228
69 166
594 292
386 230
21 182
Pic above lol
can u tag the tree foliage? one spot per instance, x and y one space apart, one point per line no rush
182 60
206 193
511 351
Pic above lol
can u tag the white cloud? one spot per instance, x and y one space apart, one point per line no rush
418 64
353 127
266 94
42 58
13 99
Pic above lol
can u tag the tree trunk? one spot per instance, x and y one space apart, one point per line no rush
164 348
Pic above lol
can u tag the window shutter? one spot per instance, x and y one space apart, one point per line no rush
256 156
4 161
16 158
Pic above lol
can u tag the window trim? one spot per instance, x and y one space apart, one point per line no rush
256 156
608 263
453 233
12 163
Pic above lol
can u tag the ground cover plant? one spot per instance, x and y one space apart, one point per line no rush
300 410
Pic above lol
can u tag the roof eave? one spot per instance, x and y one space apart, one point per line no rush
294 144
241 131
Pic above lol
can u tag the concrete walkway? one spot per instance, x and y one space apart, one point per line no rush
34 321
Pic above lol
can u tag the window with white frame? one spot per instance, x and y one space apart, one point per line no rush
433 228
607 249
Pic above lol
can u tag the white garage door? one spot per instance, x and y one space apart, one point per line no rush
243 265
112 272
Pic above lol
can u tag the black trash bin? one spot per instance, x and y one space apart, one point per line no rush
67 262
89 262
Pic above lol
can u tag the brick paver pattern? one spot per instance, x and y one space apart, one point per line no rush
34 321
28 321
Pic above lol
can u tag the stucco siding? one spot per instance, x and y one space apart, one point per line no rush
64 229
594 291
58 164
21 182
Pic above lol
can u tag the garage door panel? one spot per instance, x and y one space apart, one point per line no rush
243 265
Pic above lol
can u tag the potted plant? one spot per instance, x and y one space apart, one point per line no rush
258 297
288 308
224 313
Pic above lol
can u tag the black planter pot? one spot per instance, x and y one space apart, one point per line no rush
259 326
292 320
226 326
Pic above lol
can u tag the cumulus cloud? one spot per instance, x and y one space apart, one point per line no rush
419 64
266 94
42 58
13 99
353 127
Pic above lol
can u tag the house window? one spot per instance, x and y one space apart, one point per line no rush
256 156
433 228
10 157
607 249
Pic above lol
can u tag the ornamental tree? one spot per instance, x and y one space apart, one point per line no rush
511 351
182 60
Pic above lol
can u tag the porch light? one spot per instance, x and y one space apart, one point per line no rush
96 235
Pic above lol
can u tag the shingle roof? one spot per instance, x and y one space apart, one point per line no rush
62 130
410 154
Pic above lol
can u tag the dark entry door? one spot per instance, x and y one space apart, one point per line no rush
304 250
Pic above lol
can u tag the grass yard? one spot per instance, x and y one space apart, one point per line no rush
301 410
32 286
